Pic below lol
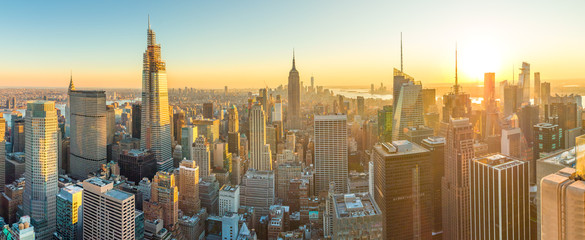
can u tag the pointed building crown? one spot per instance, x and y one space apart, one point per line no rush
71 86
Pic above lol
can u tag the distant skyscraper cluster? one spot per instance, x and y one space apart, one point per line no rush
296 161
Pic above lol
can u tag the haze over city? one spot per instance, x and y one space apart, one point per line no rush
249 43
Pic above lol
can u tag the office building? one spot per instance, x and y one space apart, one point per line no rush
524 82
360 105
39 200
358 182
139 224
284 173
436 145
547 140
202 156
500 198
259 160
229 226
544 93
188 137
208 110
537 88
418 134
189 201
10 199
293 117
88 132
408 111
511 143
331 150
70 213
208 128
512 99
257 190
17 135
385 123
108 213
229 199
155 120
136 120
178 125
209 194
277 113
403 189
429 98
21 230
137 164
458 154
561 200
164 195
356 216
2 153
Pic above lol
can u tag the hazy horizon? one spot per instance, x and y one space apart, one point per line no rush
211 45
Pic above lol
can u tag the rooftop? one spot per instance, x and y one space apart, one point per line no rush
399 148
118 194
98 181
229 188
498 161
355 205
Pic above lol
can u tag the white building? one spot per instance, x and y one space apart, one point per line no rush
108 213
229 199
331 152
259 160
500 198
257 190
41 186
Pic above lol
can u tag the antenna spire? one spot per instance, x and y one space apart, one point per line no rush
148 21
401 65
294 67
456 79
71 86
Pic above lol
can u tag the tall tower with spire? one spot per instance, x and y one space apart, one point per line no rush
155 129
294 98
456 104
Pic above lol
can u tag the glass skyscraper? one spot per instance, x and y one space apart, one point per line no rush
156 128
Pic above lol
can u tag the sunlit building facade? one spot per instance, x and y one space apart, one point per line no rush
155 121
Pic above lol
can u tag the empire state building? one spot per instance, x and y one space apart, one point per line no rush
294 98
156 129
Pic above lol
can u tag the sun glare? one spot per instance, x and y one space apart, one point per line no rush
476 58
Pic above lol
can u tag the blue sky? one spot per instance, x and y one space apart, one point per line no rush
209 44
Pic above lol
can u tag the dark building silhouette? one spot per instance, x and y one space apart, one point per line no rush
137 164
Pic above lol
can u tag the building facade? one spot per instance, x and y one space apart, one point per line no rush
41 153
330 134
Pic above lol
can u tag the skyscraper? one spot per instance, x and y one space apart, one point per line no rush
88 131
500 198
70 213
257 190
437 147
202 156
164 195
458 153
17 135
294 98
208 110
136 120
108 213
188 136
360 105
178 124
41 153
330 134
258 159
456 104
524 82
489 100
403 189
233 119
408 111
189 201
385 124
2 153
155 126
561 200
537 88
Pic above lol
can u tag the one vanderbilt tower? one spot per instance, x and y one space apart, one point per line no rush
155 130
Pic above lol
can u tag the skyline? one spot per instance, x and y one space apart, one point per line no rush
211 45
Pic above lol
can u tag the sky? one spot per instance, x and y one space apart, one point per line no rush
242 44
